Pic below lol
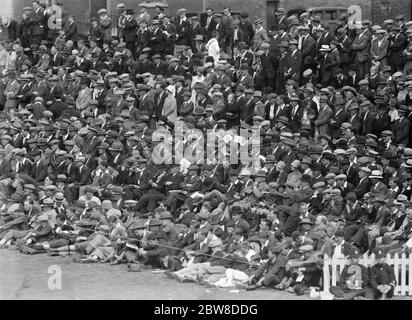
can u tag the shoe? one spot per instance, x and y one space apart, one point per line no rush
252 287
134 267
170 274
52 253
290 290
280 286
88 260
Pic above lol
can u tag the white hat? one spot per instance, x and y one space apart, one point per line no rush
171 89
376 174
325 47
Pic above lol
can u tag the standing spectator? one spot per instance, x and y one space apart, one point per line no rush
105 23
361 48
397 45
213 46
247 28
129 31
36 23
182 29
12 27
71 32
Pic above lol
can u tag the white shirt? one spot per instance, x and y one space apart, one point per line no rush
338 250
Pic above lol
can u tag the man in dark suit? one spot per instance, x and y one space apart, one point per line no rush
247 109
159 67
12 27
361 48
36 18
71 33
223 30
296 113
157 38
182 29
237 35
364 183
143 37
308 49
294 63
39 167
129 32
398 43
56 59
246 27
269 66
401 127
23 165
368 118
196 29
345 50
326 66
272 272
209 24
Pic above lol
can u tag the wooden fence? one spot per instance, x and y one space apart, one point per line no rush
401 264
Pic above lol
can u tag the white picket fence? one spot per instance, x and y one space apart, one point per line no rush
401 264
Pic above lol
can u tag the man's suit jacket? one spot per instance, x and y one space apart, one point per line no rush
361 47
326 69
270 65
340 116
197 30
83 98
345 50
183 33
401 131
142 38
56 60
396 47
308 50
240 37
362 188
209 28
170 108
44 62
85 175
130 30
356 123
36 18
323 120
293 65
39 171
295 119
380 53
248 31
158 41
368 122
160 69
71 33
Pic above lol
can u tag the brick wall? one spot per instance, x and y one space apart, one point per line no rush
388 9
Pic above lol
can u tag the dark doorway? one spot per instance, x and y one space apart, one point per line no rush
271 7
